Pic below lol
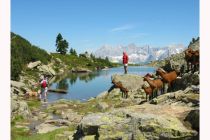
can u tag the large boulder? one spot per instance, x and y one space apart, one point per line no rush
138 122
193 119
195 45
130 82
45 128
51 125
32 65
187 80
17 84
45 69
102 106
20 108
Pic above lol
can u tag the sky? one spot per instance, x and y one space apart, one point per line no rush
89 24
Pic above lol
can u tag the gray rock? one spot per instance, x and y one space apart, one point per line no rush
193 119
20 108
187 80
71 116
46 70
102 95
138 122
32 65
102 106
17 84
58 60
114 93
81 70
129 81
195 45
45 128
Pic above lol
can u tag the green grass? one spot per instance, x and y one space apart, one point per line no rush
20 134
33 104
74 61
18 118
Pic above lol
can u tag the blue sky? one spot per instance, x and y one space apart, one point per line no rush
89 24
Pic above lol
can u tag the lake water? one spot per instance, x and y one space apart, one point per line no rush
86 85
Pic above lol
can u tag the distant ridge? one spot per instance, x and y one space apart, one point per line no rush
138 54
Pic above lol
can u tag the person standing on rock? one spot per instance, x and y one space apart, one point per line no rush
125 62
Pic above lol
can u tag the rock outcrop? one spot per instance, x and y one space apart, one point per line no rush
128 81
138 122
32 65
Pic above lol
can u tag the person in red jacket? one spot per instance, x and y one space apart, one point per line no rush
125 62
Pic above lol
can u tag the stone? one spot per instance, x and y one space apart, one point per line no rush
20 108
138 122
71 116
46 127
32 65
58 60
81 70
102 95
187 80
46 70
129 81
114 93
102 106
193 119
17 84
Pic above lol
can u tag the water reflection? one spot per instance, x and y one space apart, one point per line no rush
85 85
63 84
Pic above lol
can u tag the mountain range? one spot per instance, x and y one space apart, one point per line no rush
138 54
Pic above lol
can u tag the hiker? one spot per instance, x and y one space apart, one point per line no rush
125 62
44 88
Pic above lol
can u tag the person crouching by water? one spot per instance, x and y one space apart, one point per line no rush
44 88
125 62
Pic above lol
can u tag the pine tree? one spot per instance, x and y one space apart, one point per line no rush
62 45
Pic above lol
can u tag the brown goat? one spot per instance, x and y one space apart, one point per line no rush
192 59
167 77
149 75
156 84
123 89
148 91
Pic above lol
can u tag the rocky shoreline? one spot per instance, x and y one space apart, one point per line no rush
109 116
173 115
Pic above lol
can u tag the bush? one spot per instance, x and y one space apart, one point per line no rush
22 52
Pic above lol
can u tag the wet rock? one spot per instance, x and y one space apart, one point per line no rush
32 65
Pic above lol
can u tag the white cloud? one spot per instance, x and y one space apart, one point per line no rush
122 28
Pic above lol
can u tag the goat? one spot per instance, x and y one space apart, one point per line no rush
156 84
149 75
192 59
122 89
148 91
167 77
